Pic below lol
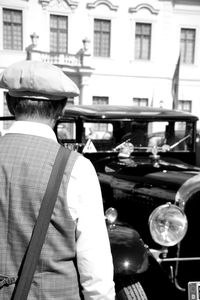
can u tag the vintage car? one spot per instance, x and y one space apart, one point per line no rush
151 179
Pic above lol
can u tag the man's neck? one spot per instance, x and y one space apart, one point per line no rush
45 121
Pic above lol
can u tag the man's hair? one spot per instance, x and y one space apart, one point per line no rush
31 108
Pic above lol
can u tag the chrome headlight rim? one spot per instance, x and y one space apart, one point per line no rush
168 224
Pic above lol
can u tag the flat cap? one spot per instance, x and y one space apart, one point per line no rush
35 79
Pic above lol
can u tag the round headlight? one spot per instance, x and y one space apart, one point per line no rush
168 224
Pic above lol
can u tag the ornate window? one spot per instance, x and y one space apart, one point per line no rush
58 34
185 105
100 100
142 41
12 29
102 31
187 45
140 101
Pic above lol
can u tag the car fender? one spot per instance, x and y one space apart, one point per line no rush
187 189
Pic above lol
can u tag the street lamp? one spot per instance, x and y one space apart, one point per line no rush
34 40
86 43
84 50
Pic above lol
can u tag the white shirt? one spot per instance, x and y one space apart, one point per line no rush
85 204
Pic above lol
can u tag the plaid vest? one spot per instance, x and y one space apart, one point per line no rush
25 165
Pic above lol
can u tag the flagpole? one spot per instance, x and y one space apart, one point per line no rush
152 99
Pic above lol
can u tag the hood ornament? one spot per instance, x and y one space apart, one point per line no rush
155 157
154 152
125 149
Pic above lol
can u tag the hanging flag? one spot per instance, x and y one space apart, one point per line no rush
175 84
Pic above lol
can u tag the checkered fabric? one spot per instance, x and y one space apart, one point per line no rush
25 165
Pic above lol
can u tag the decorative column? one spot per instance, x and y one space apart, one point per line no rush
84 88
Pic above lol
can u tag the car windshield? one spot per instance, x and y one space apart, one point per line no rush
143 135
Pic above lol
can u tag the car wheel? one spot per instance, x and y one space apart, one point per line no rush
134 291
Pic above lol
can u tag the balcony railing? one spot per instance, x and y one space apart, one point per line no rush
73 60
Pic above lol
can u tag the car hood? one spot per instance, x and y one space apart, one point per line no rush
155 177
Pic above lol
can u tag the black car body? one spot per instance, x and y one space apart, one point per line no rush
143 163
139 170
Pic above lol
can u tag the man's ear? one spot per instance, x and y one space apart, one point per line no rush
10 102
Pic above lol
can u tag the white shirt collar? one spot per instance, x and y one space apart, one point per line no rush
32 128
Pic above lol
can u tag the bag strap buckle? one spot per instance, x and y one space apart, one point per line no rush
6 280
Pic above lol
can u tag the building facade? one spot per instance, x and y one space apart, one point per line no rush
133 52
